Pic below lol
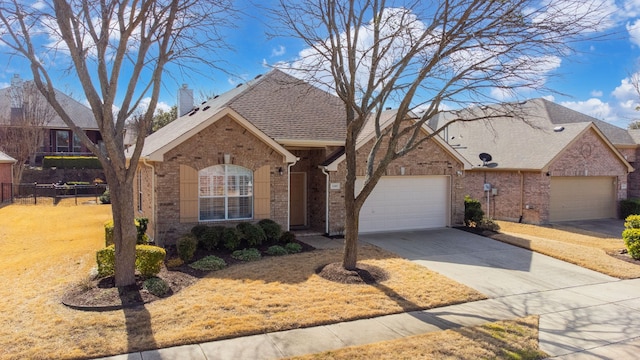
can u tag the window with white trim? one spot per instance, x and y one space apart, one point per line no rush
225 192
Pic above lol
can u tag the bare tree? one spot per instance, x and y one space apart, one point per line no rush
426 54
23 130
118 52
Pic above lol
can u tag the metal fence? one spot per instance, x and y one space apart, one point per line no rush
34 193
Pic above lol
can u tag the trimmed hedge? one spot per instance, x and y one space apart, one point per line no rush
141 228
186 247
253 235
473 213
71 162
631 235
148 260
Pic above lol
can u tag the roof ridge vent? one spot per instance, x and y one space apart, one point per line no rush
559 128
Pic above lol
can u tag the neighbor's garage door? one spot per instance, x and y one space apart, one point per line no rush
406 203
582 198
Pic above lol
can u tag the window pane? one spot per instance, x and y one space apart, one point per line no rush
62 141
211 208
240 208
77 145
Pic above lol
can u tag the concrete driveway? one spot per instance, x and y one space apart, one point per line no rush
610 227
583 314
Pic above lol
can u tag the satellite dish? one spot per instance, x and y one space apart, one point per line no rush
485 158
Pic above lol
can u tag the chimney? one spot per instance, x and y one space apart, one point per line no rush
16 92
185 100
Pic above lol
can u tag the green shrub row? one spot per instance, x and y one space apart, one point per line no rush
629 207
244 234
473 213
71 162
149 260
631 235
141 228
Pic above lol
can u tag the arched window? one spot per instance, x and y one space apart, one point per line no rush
225 193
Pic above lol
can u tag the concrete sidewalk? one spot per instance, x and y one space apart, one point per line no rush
583 314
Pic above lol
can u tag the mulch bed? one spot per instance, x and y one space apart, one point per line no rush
102 295
362 274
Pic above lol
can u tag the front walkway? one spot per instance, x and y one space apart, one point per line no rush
583 314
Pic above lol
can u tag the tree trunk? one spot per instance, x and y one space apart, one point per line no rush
124 231
350 254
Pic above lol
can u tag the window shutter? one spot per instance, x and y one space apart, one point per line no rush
188 194
262 193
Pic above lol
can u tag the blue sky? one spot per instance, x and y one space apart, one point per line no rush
595 79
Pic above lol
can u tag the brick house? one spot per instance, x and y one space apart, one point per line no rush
271 148
21 99
548 163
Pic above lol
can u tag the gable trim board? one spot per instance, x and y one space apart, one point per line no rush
158 154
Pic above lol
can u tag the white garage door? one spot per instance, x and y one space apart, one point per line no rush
582 198
406 203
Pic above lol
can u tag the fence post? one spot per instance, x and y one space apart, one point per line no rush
35 193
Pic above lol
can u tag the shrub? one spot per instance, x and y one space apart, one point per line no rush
141 228
211 237
293 248
230 239
276 250
272 230
252 234
186 247
106 260
473 213
629 207
149 259
105 198
209 263
71 162
199 230
174 262
632 222
488 224
156 286
631 238
287 237
251 254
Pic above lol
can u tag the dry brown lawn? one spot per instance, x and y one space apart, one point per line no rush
514 339
47 249
587 249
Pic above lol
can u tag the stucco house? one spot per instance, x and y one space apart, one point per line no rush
21 99
273 148
548 163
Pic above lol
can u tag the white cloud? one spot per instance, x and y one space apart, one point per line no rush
592 15
593 107
634 32
279 51
596 93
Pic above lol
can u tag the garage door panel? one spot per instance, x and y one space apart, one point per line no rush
406 203
582 198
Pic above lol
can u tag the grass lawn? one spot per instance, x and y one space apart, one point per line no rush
47 249
583 248
513 339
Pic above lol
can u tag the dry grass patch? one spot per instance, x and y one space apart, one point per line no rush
47 249
583 248
514 339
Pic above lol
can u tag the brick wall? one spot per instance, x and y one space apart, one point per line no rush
146 210
429 159
5 173
207 148
587 156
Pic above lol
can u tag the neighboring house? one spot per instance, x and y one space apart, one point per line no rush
58 138
6 176
273 148
547 164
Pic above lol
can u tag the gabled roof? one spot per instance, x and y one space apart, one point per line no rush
6 159
282 109
387 118
79 113
530 140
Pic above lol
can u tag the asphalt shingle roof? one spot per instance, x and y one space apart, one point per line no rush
79 113
529 140
281 106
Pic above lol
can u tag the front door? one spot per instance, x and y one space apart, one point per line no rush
298 202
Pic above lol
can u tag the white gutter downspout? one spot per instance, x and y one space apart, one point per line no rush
326 202
289 193
153 197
